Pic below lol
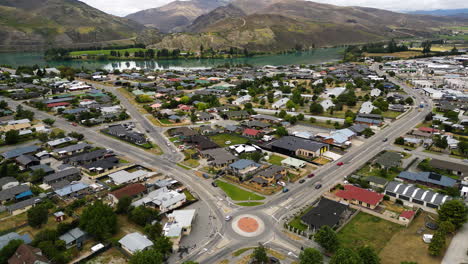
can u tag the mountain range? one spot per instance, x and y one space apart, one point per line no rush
442 12
258 25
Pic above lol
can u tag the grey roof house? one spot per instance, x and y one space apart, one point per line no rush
134 242
74 237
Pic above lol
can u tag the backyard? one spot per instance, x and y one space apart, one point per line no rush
367 230
236 193
275 160
221 139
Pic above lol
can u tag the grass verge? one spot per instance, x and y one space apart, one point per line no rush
238 194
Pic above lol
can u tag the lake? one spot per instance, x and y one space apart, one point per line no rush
310 57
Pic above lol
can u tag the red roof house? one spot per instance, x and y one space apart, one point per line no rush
429 130
249 132
406 216
360 196
58 104
131 190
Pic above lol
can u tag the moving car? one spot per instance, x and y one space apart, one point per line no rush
385 140
340 163
311 175
302 181
285 190
318 186
228 218
214 184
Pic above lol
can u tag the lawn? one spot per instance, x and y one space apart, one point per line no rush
238 194
365 229
189 195
105 52
221 139
407 245
275 160
402 54
296 221
391 114
249 203
183 166
389 174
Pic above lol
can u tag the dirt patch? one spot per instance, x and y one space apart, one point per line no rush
248 224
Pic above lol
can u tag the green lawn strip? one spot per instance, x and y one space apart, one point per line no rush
105 52
238 194
367 230
249 203
183 166
189 196
296 221
241 251
275 160
221 139
391 114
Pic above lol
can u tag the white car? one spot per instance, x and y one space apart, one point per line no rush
228 218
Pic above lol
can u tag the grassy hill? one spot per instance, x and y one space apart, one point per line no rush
33 24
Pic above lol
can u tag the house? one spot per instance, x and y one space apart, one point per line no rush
242 100
11 154
72 149
75 237
293 163
14 193
236 114
59 216
358 128
451 167
367 108
368 121
326 104
376 182
218 157
428 178
411 195
26 254
132 190
163 199
256 124
267 118
100 166
183 132
359 196
22 206
122 132
281 103
204 116
72 190
243 167
179 223
269 175
389 160
24 162
134 242
8 182
407 216
294 146
71 174
5 239
375 92
334 92
326 212
252 133
202 142
397 108
87 157
124 177
58 142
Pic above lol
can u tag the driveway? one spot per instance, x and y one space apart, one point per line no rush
457 251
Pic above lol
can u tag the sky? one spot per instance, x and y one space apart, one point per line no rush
125 7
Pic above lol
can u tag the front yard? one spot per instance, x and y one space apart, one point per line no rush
221 139
236 193
275 160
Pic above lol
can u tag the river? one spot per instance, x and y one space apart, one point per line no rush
310 57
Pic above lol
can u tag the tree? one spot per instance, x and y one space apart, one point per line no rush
290 105
12 137
49 121
441 142
123 205
327 238
345 256
282 114
149 256
453 211
37 216
368 132
142 215
316 108
437 243
99 220
3 104
409 101
154 231
38 175
447 227
400 141
163 245
9 249
463 147
76 135
259 255
310 256
281 131
368 255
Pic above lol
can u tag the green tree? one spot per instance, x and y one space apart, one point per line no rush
9 249
149 256
437 243
327 238
453 211
345 256
447 227
12 137
281 131
49 121
163 245
316 108
409 101
282 114
38 175
400 141
290 105
259 255
441 142
99 220
368 132
310 256
3 104
154 231
143 215
37 216
368 255
123 205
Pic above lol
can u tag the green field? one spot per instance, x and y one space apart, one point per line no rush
458 37
105 52
249 203
238 194
221 139
391 114
367 230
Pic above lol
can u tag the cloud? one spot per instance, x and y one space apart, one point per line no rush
125 7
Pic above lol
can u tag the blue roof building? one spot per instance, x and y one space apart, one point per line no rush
428 178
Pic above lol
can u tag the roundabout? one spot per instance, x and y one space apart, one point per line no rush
248 225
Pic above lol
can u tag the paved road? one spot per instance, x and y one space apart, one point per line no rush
457 252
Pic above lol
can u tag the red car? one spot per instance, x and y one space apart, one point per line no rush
311 175
74 124
340 164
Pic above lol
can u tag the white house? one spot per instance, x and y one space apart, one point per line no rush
163 199
179 223
134 242
326 104
242 100
366 108
281 103
375 92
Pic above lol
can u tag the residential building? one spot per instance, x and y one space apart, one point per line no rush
281 103
376 182
243 167
428 178
14 193
5 239
359 196
122 132
326 104
162 199
11 154
179 224
269 175
325 213
75 237
133 191
218 157
74 190
411 195
389 159
26 254
71 174
134 242
293 163
451 167
124 177
367 108
22 206
294 146
8 182
72 149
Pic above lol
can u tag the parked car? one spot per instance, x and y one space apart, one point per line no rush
74 124
302 181
407 149
285 190
318 186
206 176
340 163
274 260
311 175
385 140
214 184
